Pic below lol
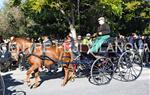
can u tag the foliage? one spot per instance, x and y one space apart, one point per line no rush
136 17
34 18
13 22
115 6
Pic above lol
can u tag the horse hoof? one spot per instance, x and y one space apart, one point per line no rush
63 84
28 84
35 85
72 80
32 86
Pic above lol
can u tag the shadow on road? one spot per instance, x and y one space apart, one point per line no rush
12 83
48 75
147 66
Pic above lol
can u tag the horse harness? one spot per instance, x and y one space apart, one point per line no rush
42 57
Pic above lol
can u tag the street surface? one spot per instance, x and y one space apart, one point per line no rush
81 86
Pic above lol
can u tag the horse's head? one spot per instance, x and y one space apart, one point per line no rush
18 45
13 48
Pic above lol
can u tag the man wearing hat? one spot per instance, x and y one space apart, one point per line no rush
104 28
103 33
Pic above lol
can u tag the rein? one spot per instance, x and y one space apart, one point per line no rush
42 57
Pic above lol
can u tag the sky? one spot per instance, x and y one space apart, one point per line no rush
1 3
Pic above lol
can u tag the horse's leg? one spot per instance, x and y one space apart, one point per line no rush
66 71
27 80
37 78
29 72
71 72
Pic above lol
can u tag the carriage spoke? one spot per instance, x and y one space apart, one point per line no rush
124 73
134 72
128 74
132 75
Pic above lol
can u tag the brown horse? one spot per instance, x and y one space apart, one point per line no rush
55 52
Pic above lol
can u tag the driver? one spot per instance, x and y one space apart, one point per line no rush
103 33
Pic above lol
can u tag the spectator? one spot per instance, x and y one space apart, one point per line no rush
87 40
79 39
147 49
46 41
137 42
69 46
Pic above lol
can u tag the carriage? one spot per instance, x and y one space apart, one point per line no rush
125 64
99 67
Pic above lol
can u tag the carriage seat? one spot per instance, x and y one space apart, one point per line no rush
105 48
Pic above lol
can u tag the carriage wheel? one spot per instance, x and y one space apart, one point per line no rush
102 71
2 86
130 65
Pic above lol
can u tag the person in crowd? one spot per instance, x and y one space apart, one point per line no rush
66 44
46 41
87 40
121 39
79 39
70 46
146 58
137 42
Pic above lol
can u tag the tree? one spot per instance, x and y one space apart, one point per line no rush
56 17
108 8
12 21
136 16
66 8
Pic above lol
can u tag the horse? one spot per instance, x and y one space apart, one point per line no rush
54 54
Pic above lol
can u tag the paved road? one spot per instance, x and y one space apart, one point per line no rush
81 86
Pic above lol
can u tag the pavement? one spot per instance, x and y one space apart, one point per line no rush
14 85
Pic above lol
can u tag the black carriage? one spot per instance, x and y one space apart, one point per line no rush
124 65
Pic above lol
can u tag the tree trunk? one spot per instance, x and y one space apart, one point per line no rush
71 25
73 32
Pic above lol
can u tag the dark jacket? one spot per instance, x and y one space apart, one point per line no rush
105 29
138 41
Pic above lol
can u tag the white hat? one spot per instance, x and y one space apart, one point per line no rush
101 18
88 34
